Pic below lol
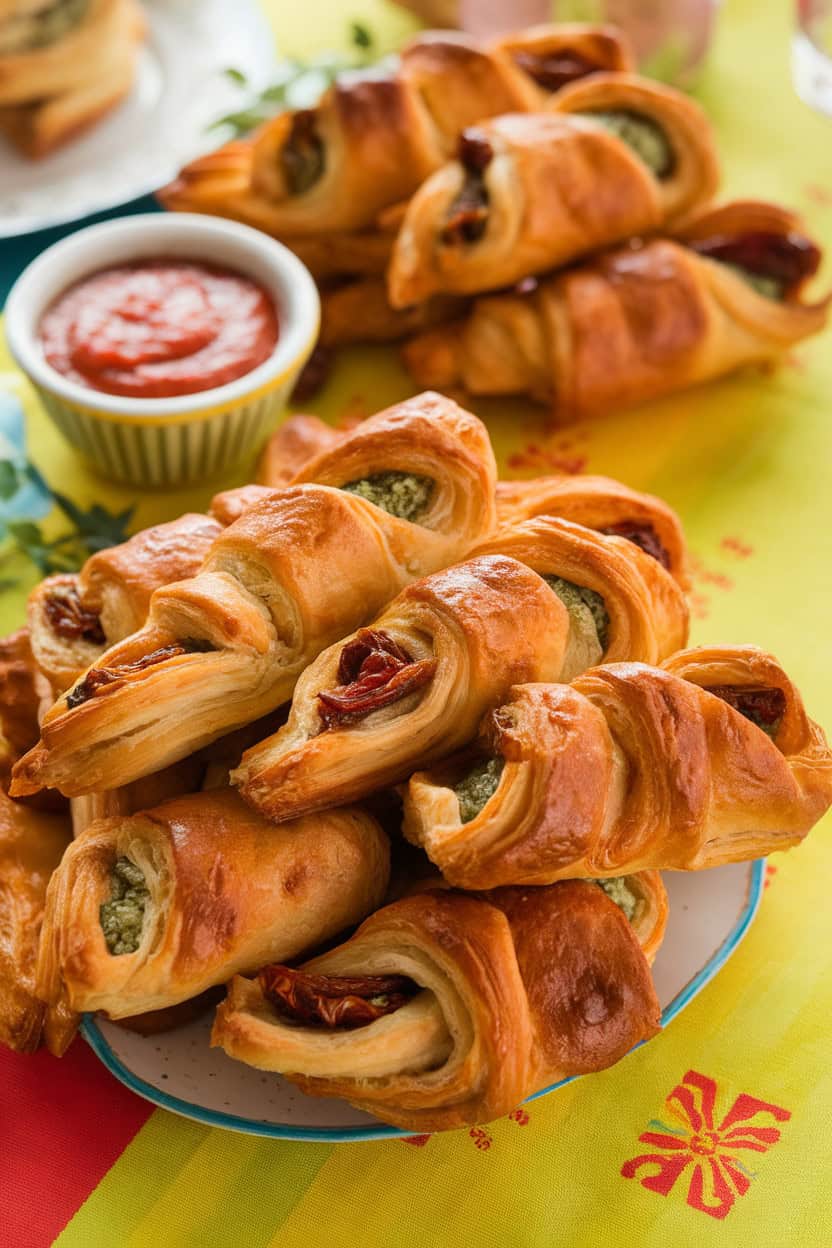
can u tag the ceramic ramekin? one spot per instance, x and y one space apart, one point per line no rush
165 442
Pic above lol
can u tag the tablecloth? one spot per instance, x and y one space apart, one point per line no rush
719 1131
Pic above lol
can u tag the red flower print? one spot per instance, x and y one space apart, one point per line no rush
481 1138
770 874
519 1116
717 1175
418 1141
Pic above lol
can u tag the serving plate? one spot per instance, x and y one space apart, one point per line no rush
181 87
710 912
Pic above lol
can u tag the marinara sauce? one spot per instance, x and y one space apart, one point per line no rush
159 328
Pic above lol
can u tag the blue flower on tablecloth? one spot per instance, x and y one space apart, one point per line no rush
23 491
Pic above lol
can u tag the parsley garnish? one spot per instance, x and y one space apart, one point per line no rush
298 84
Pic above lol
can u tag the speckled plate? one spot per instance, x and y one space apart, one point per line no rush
710 912
180 89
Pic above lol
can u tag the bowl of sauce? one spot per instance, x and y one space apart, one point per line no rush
164 346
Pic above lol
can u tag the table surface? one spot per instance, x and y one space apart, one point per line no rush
747 463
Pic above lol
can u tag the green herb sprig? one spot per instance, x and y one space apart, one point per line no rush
93 529
298 84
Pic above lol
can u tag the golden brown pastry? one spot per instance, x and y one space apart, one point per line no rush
708 759
295 573
73 618
639 322
372 139
62 65
621 603
359 311
411 687
24 692
299 439
614 156
152 909
31 846
603 504
446 1008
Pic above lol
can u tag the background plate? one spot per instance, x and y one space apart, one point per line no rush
180 89
710 912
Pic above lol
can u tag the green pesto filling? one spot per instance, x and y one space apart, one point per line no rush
617 889
402 494
27 31
122 916
475 788
768 287
585 606
643 136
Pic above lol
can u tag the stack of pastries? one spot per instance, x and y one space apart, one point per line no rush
531 215
385 756
63 64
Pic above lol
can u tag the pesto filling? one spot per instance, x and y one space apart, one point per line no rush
617 889
642 136
122 917
401 494
28 31
586 607
768 287
477 786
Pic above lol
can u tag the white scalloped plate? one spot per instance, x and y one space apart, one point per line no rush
710 912
180 89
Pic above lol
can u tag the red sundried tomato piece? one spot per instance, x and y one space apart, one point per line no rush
374 671
334 1000
764 706
556 69
787 258
642 535
68 618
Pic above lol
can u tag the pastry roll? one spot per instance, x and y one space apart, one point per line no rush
151 909
359 311
299 439
295 573
31 845
446 1009
62 65
74 618
372 139
603 504
429 464
24 693
621 603
708 759
643 321
410 688
614 156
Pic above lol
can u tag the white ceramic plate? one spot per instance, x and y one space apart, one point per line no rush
180 89
710 912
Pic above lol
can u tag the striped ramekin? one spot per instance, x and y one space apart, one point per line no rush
166 442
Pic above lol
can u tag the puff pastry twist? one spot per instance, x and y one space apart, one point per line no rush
73 618
215 890
639 322
633 608
615 156
509 991
632 767
411 687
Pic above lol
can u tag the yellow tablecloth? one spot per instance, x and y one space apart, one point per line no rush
747 464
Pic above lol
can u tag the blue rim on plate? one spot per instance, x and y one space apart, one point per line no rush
347 1135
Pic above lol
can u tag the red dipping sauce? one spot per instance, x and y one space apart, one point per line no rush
159 328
